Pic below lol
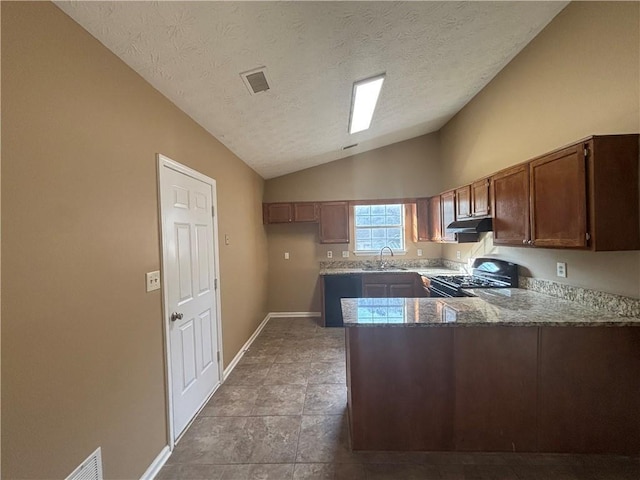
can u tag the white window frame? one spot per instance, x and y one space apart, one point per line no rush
403 229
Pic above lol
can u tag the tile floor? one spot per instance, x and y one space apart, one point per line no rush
281 415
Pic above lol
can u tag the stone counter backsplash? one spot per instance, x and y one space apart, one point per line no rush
405 263
625 306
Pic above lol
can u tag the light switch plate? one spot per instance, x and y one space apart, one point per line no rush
561 269
153 280
286 255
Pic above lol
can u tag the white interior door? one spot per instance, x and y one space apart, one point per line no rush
191 300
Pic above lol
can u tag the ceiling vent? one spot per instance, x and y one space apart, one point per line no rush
256 80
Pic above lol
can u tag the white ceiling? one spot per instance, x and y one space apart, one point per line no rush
436 55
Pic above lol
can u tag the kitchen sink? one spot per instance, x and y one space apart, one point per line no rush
371 268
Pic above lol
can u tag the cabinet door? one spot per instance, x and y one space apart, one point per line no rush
422 219
480 198
305 212
375 290
559 199
448 208
402 290
334 222
435 220
510 197
463 202
277 212
495 388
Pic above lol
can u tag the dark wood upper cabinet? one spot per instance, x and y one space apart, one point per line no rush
334 222
480 205
584 196
435 220
463 202
510 198
305 212
422 219
448 208
277 212
559 199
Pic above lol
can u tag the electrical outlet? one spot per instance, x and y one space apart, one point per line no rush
286 255
153 281
561 269
329 254
419 252
458 254
345 254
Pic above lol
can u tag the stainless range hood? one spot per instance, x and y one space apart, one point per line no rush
473 225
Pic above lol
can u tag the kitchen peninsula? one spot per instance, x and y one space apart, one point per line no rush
508 370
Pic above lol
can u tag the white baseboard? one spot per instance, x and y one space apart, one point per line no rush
295 314
157 464
245 347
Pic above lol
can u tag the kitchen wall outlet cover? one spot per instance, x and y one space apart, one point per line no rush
458 254
286 255
345 254
419 252
329 254
561 269
153 281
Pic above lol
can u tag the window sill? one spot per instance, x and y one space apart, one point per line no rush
375 253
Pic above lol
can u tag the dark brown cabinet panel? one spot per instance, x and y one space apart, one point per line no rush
305 212
448 209
334 222
277 212
463 202
400 388
381 285
435 220
495 388
559 199
510 197
480 205
422 219
589 390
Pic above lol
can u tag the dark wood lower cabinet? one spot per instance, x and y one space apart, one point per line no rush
401 388
590 390
523 389
495 385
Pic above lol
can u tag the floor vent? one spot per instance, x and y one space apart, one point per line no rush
256 80
90 469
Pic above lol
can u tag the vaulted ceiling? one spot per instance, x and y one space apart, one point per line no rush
436 55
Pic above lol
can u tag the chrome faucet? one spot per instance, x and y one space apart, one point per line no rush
382 264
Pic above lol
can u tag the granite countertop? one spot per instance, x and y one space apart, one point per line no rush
495 306
426 271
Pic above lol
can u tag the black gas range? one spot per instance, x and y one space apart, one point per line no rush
486 273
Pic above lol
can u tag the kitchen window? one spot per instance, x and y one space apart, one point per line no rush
378 226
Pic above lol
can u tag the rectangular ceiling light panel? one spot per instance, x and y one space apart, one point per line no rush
363 104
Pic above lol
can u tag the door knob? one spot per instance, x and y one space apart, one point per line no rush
176 316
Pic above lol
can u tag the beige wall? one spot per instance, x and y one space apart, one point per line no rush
580 76
82 343
403 170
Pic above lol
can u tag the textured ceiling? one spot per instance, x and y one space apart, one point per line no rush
436 55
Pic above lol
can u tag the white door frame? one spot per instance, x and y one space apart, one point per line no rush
166 162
